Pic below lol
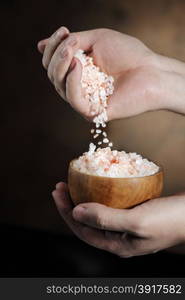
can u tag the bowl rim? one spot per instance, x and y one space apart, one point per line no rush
161 170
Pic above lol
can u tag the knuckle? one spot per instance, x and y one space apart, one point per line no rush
58 75
64 52
103 31
60 32
64 29
73 35
72 38
138 226
101 221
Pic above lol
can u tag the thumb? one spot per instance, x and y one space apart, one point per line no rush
74 91
104 217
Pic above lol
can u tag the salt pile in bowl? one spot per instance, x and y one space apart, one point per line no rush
98 86
108 163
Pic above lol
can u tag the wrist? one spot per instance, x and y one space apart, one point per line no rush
172 84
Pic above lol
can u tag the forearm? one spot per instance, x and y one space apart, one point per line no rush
173 83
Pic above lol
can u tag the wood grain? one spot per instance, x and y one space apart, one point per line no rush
113 192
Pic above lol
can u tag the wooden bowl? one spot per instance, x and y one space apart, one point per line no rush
113 192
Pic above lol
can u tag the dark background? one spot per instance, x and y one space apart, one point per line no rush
40 134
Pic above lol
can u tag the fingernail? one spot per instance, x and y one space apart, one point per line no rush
78 211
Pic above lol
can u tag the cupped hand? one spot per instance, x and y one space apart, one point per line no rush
149 227
137 78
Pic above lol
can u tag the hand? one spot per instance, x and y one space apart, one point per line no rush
149 227
144 81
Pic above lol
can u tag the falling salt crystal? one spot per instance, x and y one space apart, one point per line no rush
98 87
110 144
98 130
92 148
92 130
105 140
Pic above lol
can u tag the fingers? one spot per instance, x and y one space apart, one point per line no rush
41 45
52 44
62 198
104 217
74 90
91 236
60 63
63 69
121 244
86 38
65 206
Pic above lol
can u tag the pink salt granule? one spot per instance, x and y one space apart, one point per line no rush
113 163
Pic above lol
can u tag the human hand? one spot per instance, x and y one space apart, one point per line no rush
144 81
149 227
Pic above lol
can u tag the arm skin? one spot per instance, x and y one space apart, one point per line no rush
147 228
144 80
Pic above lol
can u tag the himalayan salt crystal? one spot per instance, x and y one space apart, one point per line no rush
92 148
104 162
105 140
98 131
114 152
95 136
